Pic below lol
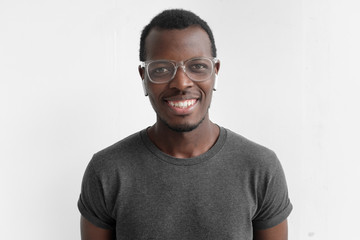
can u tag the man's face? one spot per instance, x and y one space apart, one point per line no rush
180 104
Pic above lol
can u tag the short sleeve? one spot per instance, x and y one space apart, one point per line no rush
92 202
275 206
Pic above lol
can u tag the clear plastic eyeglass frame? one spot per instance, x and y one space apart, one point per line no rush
176 65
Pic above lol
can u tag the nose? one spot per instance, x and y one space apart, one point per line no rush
181 81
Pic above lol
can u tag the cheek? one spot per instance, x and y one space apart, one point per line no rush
154 92
207 88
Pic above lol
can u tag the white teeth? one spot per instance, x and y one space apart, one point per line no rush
183 104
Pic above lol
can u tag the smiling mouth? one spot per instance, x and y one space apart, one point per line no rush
183 104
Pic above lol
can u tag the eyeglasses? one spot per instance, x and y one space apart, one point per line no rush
197 69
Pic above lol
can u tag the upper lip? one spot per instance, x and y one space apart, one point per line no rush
180 97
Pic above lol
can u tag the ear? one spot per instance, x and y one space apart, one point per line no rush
141 72
215 82
217 68
144 88
142 75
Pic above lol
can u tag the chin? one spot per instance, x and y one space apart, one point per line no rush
183 128
186 127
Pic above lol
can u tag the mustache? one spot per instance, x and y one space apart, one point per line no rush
178 95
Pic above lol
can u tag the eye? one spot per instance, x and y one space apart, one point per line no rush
160 70
199 66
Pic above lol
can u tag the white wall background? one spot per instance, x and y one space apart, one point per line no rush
69 87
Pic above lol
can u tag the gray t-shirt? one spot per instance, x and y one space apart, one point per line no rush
143 193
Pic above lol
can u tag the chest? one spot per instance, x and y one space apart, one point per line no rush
185 203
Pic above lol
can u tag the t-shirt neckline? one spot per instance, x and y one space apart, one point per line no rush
185 161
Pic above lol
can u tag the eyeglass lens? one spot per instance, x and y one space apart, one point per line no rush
196 69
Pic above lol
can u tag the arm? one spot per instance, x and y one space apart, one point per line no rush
91 232
279 232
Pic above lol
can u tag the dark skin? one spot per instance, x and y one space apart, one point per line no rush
91 232
180 45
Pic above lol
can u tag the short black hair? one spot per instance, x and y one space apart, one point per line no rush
175 19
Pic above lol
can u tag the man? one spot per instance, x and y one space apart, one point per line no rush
184 177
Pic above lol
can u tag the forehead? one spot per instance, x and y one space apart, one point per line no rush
177 44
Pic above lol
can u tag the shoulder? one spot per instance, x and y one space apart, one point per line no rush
247 152
118 153
128 143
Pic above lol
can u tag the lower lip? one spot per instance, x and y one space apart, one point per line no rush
183 111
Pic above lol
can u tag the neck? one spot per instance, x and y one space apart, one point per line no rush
184 144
